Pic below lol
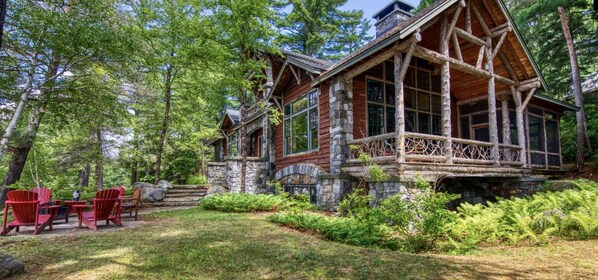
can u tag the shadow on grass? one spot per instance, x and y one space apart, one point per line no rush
193 244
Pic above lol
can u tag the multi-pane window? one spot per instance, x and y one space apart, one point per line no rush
233 145
422 100
543 134
301 123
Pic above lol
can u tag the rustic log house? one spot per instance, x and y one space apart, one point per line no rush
450 94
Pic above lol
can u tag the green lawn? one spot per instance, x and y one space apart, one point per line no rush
195 244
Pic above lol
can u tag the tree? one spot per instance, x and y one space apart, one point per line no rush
319 28
2 18
247 35
562 33
49 47
176 41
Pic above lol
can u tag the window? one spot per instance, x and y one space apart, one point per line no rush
301 123
302 190
233 145
422 101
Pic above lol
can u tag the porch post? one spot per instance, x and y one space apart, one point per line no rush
445 92
506 122
520 128
400 111
493 127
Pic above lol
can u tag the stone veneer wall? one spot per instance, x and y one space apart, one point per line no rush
255 178
341 122
217 174
332 190
390 21
477 191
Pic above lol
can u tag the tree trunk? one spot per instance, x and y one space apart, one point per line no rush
134 172
243 140
84 176
581 132
100 162
16 164
166 121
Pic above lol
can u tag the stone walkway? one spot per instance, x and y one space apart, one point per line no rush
60 228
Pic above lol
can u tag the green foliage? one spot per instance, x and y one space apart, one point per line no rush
294 202
196 180
344 230
319 28
241 202
572 213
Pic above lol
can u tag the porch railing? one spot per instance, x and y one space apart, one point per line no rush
430 148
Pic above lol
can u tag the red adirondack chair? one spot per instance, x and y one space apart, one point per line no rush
25 210
103 204
121 190
45 196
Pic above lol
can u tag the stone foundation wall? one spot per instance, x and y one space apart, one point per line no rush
256 176
331 191
217 174
477 191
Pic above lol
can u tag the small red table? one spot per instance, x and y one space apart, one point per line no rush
71 204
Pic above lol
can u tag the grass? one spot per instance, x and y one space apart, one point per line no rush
197 244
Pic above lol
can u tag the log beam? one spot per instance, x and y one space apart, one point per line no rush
454 21
296 74
445 91
386 55
492 122
470 38
468 18
480 19
456 47
528 98
507 65
480 58
437 58
499 45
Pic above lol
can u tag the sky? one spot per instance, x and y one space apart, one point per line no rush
370 7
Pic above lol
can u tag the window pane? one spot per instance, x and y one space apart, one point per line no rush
552 137
390 119
300 139
479 118
436 83
409 98
390 94
423 80
423 122
313 98
375 119
536 133
288 136
287 110
465 128
375 91
436 125
313 125
410 77
482 134
390 71
423 101
436 105
410 125
300 105
514 135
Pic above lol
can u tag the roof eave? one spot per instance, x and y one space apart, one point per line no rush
563 104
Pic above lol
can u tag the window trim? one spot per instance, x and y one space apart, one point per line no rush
307 110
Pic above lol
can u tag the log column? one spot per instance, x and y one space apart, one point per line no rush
520 125
445 92
493 127
506 121
400 111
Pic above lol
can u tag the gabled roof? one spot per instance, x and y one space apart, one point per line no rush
310 64
233 115
405 29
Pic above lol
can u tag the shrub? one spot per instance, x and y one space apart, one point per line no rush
241 202
196 180
344 230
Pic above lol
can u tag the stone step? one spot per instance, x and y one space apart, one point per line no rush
187 191
176 204
184 198
192 193
179 187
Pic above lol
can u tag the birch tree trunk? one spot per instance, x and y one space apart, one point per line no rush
579 102
2 19
166 121
84 176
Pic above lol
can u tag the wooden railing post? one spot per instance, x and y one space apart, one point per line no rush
445 92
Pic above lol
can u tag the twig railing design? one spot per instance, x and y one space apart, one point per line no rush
381 147
430 148
509 154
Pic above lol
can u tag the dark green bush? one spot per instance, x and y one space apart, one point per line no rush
241 202
344 230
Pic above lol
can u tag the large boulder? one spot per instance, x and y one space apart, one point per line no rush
150 192
10 266
212 190
165 185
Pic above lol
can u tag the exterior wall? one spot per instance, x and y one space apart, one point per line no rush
479 190
256 176
319 157
217 174
341 122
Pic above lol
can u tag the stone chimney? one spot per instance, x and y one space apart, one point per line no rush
391 15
